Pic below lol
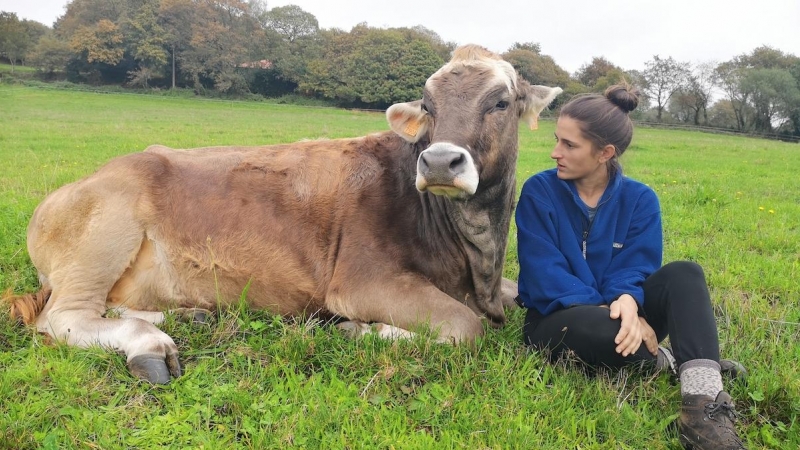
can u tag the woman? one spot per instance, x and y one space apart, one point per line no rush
590 247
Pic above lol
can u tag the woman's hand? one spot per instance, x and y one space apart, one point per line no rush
649 337
630 333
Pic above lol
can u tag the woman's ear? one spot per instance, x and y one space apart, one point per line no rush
607 152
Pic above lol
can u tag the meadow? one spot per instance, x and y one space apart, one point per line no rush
252 380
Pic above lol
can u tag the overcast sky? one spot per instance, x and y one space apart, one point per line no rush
626 32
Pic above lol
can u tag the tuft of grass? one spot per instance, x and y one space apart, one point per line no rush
253 380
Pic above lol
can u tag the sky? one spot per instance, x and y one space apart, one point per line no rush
626 32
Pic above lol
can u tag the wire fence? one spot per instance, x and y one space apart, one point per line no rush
688 127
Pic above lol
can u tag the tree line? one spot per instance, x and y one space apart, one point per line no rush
235 47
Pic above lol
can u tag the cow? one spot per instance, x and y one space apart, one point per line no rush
393 231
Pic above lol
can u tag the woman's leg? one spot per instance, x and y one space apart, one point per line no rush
676 302
588 331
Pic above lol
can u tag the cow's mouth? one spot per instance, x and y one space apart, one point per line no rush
447 191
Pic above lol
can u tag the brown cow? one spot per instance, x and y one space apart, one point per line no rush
404 228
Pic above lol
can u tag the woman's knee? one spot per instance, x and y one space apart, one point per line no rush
580 326
682 269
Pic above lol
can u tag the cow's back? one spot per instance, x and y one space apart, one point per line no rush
263 217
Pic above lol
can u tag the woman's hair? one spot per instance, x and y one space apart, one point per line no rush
604 120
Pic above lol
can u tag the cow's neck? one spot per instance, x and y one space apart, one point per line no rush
481 225
483 222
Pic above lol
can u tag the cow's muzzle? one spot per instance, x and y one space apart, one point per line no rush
447 169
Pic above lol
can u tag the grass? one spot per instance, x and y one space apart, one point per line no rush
255 381
17 68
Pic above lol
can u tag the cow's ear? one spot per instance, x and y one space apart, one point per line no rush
408 120
534 99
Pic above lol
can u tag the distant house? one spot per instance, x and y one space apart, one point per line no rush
264 64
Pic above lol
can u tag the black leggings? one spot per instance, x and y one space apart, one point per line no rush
676 303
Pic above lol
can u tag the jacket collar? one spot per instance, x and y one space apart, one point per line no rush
613 186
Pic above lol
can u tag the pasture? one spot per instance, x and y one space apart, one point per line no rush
255 381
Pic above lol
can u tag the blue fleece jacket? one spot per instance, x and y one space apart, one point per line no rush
623 243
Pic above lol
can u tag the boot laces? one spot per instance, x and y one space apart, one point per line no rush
725 408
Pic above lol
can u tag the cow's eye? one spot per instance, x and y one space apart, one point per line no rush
501 105
425 108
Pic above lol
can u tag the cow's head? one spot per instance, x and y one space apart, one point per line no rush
468 115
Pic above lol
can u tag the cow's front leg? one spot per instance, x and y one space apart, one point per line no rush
355 329
405 302
508 292
183 315
151 353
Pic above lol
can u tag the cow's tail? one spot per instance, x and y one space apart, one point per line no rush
25 308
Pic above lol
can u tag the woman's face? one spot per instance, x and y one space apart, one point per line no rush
576 157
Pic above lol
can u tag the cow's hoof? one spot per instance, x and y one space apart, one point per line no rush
193 315
354 329
150 368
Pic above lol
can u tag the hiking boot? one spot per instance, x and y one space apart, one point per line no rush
733 370
707 423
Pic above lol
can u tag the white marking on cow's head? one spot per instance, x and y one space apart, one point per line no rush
469 115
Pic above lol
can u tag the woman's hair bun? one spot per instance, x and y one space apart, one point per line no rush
624 96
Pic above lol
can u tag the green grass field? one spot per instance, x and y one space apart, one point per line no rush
17 68
254 381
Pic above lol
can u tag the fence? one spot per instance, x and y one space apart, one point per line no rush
687 127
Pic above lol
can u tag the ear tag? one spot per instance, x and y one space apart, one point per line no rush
411 128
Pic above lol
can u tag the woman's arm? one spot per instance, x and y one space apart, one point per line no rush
546 279
640 255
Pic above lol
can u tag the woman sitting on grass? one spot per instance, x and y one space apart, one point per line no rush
590 249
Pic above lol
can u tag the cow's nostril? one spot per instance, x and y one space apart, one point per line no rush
458 161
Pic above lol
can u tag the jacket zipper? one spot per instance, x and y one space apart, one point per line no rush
587 228
586 236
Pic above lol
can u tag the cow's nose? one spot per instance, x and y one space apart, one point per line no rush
447 169
442 161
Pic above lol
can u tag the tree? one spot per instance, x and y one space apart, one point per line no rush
292 38
722 115
766 57
371 67
694 97
145 40
442 48
291 22
259 11
51 55
536 68
729 75
590 74
612 77
663 77
533 47
761 87
87 13
774 95
176 17
219 44
92 28
14 39
794 116
99 43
